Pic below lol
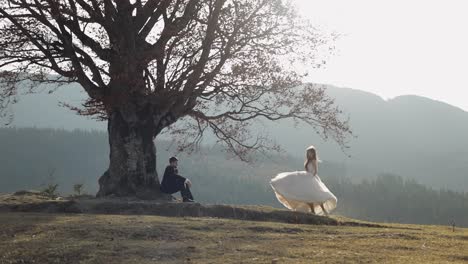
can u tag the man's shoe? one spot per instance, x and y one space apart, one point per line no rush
188 201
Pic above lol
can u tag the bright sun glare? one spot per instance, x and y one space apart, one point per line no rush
395 48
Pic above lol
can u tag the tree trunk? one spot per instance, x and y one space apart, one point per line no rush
132 168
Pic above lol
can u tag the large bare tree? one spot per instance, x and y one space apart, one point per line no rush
145 64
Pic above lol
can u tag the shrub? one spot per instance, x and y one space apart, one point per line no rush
51 190
78 188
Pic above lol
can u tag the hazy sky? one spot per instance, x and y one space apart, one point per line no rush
396 47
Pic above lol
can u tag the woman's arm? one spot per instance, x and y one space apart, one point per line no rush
315 167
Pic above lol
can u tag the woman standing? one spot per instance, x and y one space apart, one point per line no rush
304 190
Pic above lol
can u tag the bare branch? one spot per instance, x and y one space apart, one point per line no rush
223 64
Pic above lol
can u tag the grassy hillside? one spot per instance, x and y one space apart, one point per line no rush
48 238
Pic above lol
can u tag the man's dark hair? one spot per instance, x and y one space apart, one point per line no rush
172 159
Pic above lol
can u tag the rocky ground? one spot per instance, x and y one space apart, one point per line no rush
33 201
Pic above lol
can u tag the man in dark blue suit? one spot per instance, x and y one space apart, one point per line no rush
172 182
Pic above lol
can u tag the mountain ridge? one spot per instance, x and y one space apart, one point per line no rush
402 135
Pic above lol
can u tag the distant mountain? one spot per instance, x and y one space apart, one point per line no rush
409 135
412 136
43 110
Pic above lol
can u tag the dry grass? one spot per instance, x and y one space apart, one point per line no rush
59 238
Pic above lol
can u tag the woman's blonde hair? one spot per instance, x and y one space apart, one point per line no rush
311 156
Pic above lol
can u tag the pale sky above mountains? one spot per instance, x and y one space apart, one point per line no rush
396 47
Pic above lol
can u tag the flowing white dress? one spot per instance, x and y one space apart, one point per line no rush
297 189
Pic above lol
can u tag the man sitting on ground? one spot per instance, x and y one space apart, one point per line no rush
172 182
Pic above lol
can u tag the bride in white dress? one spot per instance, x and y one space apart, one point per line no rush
304 190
